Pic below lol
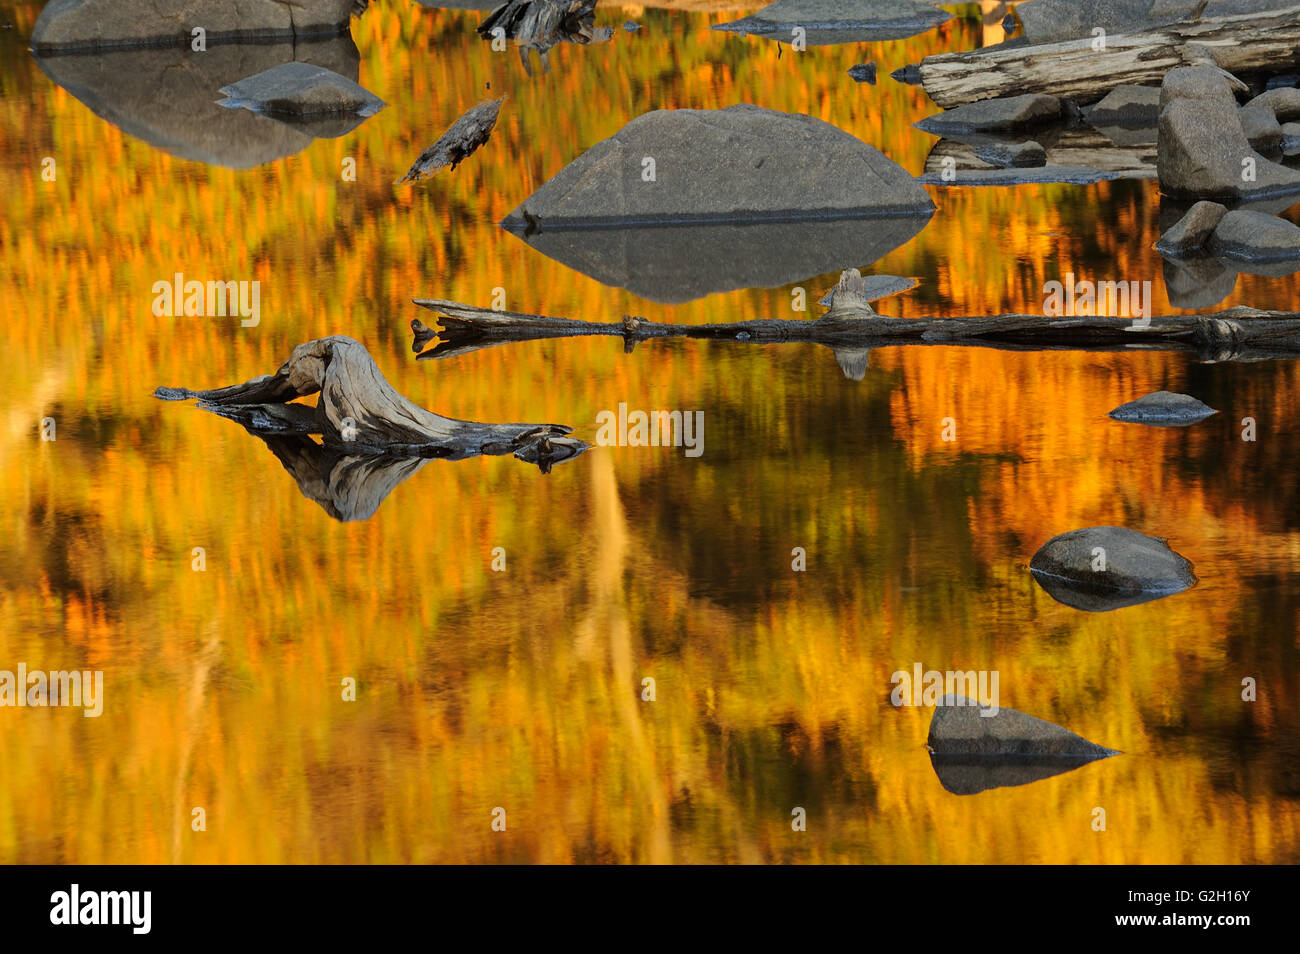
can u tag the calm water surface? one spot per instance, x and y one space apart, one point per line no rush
522 689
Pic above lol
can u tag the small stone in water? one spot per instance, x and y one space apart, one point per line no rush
631 26
864 73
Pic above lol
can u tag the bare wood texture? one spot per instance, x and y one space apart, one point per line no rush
1074 70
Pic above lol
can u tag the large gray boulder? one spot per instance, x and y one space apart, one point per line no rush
167 96
681 203
1163 409
1007 112
1203 151
1104 568
973 751
1255 237
105 24
301 89
840 21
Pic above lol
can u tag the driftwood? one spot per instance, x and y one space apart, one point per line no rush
851 328
463 137
541 24
359 414
1073 69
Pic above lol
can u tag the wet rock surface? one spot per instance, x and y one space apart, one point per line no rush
1164 409
1098 569
973 752
1126 105
301 89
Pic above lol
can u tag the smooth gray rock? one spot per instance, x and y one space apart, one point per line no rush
1008 112
972 753
1290 137
167 97
740 164
740 197
106 24
1136 569
1263 131
1283 103
1256 237
1193 230
300 89
1203 151
1126 106
1164 409
1012 155
840 21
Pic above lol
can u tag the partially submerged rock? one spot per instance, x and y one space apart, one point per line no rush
681 203
1164 409
165 97
1126 106
1009 112
300 89
973 750
1244 235
840 21
465 136
1203 151
1282 102
1193 230
1105 568
863 73
1012 155
861 289
66 25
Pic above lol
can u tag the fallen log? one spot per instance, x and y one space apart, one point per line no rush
361 414
850 326
1073 69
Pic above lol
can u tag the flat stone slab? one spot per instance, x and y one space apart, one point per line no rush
1098 569
840 21
1164 409
1071 175
1250 236
300 89
66 25
1126 106
973 752
1007 112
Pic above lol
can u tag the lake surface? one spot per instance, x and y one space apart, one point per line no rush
522 689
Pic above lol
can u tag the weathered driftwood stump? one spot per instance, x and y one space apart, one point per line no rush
1085 71
360 413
